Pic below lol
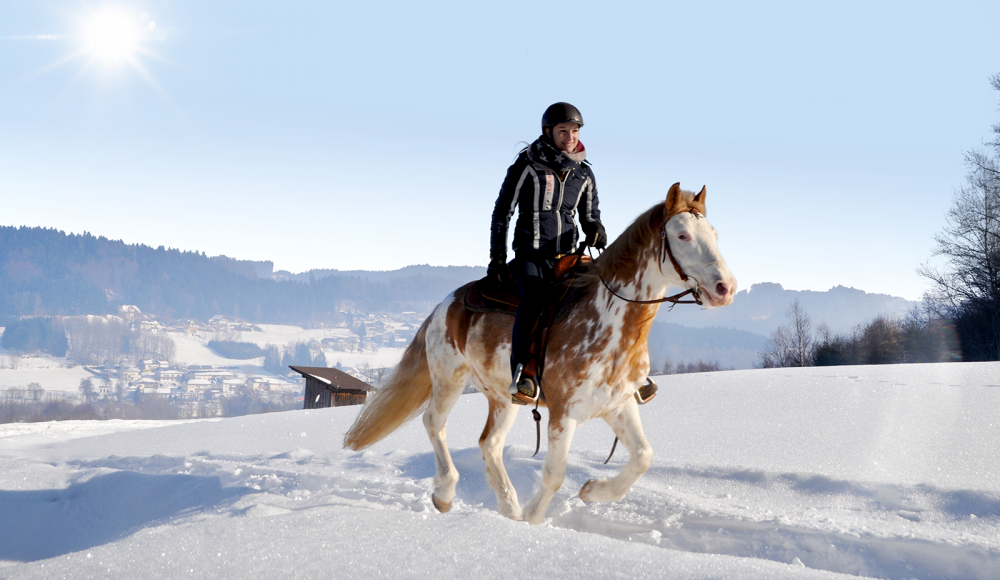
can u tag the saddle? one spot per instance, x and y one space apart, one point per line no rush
486 296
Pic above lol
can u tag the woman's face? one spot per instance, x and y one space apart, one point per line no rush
566 136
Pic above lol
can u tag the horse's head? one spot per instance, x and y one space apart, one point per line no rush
691 241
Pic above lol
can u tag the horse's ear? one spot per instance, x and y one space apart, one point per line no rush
673 198
700 198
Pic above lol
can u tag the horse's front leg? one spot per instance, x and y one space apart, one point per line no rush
502 416
554 468
627 426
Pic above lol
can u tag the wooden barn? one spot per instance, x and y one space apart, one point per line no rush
329 387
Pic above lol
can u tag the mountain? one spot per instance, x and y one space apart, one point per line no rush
736 349
47 272
464 273
761 309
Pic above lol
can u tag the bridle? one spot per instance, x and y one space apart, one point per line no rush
664 250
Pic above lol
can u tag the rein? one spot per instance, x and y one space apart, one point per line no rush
674 300
664 250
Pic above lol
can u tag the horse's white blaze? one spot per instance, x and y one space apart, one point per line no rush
701 256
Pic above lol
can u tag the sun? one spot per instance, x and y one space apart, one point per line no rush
111 36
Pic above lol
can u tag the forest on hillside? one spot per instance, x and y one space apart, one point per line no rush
47 272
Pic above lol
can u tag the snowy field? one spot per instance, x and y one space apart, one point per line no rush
887 472
194 351
55 374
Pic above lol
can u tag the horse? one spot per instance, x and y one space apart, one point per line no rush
596 358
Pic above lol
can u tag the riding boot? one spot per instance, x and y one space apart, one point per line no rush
523 389
533 285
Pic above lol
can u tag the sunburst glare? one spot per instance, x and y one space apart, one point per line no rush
112 36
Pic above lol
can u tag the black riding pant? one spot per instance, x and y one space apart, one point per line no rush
534 278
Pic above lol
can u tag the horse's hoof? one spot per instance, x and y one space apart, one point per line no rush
585 490
441 506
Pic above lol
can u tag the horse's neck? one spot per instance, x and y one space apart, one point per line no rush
633 320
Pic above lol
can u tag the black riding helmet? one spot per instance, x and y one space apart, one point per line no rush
561 113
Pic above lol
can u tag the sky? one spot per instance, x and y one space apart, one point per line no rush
830 135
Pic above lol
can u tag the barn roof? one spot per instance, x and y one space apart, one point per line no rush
334 378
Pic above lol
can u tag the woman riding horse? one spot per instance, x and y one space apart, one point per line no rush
548 184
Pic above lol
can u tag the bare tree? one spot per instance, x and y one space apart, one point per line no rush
967 288
36 391
791 345
801 335
87 389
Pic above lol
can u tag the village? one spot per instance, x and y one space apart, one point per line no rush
196 367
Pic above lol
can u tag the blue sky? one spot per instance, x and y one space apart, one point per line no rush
375 135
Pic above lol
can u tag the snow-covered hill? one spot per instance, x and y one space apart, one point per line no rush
885 471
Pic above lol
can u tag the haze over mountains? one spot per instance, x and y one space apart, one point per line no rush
46 272
761 309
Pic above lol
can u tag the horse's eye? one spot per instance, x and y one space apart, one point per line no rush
683 237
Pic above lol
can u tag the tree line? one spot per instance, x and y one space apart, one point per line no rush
960 317
34 335
921 336
48 272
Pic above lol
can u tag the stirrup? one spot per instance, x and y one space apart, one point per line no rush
523 389
646 392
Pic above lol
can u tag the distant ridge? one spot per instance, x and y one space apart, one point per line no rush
467 273
46 272
761 309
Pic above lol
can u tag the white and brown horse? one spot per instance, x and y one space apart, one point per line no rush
596 359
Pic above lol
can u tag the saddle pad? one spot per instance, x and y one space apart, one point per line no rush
484 296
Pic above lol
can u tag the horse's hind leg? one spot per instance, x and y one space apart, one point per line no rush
501 419
553 470
449 381
628 428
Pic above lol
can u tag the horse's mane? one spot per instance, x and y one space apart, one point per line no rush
621 260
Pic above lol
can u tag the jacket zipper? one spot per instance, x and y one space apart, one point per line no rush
558 208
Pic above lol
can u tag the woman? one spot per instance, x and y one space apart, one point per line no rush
548 184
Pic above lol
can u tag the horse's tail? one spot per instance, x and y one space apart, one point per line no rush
403 397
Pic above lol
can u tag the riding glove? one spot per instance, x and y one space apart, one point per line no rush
599 239
497 271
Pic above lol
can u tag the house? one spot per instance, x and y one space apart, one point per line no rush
146 384
152 365
280 386
257 384
150 326
169 375
128 374
196 385
231 385
162 392
330 387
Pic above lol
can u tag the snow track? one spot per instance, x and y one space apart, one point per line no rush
275 495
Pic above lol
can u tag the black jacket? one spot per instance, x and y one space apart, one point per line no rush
548 188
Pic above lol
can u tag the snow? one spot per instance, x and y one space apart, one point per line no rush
53 374
194 350
56 374
886 471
